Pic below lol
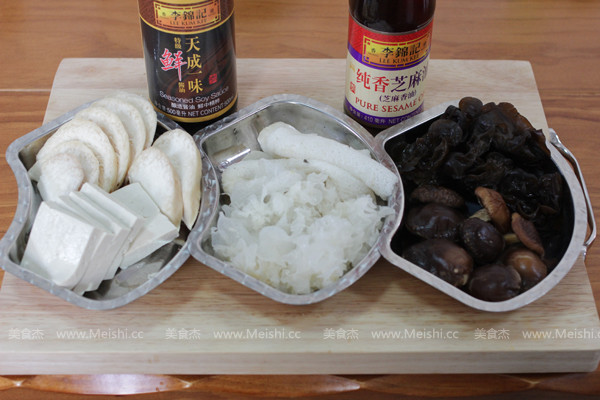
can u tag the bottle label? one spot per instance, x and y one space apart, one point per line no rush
385 74
190 57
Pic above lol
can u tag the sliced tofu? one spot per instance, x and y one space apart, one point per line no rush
110 205
121 232
156 231
60 246
103 253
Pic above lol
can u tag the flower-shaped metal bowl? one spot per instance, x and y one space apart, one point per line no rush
576 206
127 285
227 142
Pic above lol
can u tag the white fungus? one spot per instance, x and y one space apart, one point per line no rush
291 224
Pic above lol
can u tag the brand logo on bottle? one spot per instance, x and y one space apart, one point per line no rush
187 17
389 54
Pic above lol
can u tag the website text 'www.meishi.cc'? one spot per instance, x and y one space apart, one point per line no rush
99 334
562 333
416 334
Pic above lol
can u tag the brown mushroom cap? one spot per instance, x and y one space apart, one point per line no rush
493 202
482 240
494 282
528 264
434 220
443 258
527 233
437 194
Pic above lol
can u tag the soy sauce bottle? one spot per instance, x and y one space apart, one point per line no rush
389 42
189 51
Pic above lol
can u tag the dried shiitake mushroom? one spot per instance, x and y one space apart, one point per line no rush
527 233
443 258
496 207
434 220
482 240
528 264
495 282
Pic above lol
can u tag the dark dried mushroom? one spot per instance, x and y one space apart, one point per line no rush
493 202
494 282
528 264
482 240
434 220
527 233
471 106
442 258
437 194
447 130
495 150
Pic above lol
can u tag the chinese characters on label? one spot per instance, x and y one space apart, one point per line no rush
385 74
194 16
170 60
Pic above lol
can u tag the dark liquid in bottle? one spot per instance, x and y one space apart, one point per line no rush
393 16
189 51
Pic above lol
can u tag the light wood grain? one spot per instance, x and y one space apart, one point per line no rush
556 36
200 300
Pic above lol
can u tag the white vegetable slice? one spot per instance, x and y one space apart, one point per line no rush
114 129
153 170
284 140
131 119
146 110
86 157
60 175
180 148
89 133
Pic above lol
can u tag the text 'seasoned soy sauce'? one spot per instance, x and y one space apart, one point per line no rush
388 50
189 50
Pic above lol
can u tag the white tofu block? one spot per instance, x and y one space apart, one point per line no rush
122 233
60 245
103 253
157 229
136 199
112 206
156 232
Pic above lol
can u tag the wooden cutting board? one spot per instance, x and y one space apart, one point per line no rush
200 322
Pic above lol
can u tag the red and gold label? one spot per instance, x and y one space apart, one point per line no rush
385 74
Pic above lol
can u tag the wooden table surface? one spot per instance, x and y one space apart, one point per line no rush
558 37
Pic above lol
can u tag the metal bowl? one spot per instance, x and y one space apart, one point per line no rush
577 207
128 285
230 140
